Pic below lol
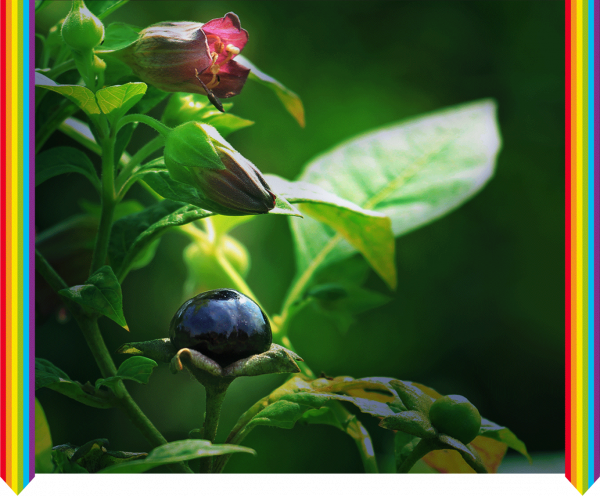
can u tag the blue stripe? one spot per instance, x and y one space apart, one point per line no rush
26 241
591 296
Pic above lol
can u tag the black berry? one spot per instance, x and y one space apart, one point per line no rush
222 324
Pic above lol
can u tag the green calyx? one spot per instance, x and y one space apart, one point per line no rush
455 416
82 30
192 145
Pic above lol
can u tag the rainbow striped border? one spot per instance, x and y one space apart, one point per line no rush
17 440
582 243
582 343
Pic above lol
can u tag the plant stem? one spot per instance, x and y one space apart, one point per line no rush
419 451
108 204
48 273
214 400
144 119
123 180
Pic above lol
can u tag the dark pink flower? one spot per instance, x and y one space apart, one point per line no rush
169 55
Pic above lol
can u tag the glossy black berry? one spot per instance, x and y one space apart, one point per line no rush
222 324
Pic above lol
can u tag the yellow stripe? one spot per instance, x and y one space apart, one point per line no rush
579 299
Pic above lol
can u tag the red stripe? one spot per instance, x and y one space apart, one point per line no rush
567 238
3 211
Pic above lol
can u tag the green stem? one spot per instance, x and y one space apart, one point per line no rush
419 451
124 179
144 119
108 204
96 344
48 273
214 401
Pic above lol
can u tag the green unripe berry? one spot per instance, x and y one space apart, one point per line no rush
455 416
82 30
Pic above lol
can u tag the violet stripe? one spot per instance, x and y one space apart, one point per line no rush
596 44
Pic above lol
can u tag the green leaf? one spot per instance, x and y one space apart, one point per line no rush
367 231
185 107
102 8
80 132
64 160
101 293
290 100
404 444
412 397
342 310
64 465
118 35
161 182
136 368
43 442
504 435
411 422
132 234
79 95
226 123
49 376
157 349
115 101
177 451
413 172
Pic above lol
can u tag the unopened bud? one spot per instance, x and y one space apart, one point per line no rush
82 30
197 155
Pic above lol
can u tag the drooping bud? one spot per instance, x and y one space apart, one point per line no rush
81 29
197 155
169 55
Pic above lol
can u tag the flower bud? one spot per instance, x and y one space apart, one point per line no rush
168 55
197 155
82 30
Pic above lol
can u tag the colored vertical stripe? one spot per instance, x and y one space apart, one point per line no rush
582 243
16 269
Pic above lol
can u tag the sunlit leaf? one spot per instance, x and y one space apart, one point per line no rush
115 101
79 95
366 230
413 172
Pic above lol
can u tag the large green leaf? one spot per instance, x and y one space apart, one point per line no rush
290 100
413 172
136 368
63 160
101 293
79 95
161 182
367 231
133 234
49 376
115 101
177 451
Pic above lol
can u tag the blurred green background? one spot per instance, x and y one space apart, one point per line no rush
479 309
